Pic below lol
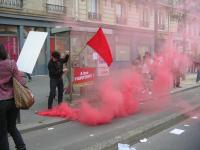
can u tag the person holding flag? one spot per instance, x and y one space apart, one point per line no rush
55 68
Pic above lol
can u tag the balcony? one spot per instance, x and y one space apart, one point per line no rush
58 9
11 3
94 16
144 24
121 20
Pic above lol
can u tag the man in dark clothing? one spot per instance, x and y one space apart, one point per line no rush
55 68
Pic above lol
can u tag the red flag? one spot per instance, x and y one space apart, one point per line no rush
99 43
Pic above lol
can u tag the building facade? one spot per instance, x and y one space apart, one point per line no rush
18 17
128 25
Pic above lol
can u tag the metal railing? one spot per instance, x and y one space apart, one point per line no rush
51 8
121 20
11 3
94 16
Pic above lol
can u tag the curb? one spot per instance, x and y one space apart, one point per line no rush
133 136
52 122
40 125
185 89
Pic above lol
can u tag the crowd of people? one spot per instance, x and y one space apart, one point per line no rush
144 66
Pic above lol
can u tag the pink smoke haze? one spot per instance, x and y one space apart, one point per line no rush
122 92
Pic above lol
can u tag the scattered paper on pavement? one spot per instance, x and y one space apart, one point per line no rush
132 148
186 125
91 135
177 131
50 128
144 140
195 117
123 146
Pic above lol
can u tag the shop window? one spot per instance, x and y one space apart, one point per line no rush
8 37
11 43
56 6
122 52
142 49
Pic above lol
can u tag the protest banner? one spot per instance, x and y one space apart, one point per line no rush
83 75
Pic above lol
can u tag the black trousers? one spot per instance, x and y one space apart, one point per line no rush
55 83
8 117
198 75
29 76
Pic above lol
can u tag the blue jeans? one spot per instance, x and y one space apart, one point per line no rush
8 117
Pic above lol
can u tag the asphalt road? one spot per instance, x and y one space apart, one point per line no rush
75 136
188 140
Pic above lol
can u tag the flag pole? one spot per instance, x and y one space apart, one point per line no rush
70 81
80 51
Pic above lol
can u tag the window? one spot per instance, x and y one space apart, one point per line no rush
12 3
144 17
94 6
118 10
161 20
55 6
93 10
120 13
56 2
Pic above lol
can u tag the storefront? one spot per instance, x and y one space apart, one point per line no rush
84 65
13 32
9 38
131 44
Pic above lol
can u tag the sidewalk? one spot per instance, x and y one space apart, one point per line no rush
40 87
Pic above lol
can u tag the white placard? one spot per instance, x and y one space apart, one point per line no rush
30 51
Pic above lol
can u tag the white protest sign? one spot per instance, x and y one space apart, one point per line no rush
30 51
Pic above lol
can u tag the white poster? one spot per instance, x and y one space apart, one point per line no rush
30 51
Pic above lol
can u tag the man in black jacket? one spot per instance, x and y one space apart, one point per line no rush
55 68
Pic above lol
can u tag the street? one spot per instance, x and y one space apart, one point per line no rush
188 140
103 74
75 136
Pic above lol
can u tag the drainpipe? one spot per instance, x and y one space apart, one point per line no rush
155 26
47 45
76 9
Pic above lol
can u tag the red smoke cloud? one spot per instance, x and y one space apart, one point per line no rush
120 94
